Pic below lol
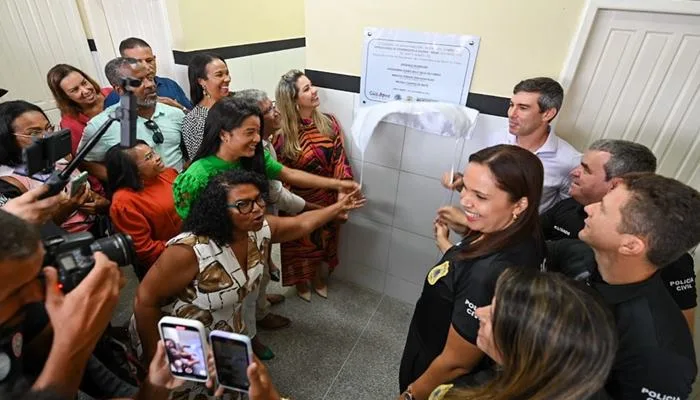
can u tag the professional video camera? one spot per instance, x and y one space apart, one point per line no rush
73 255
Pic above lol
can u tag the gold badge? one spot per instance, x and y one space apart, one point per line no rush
440 392
438 272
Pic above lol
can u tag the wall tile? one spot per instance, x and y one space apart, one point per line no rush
385 146
417 201
429 155
340 104
367 242
180 76
264 71
370 278
241 71
487 131
411 256
402 290
379 185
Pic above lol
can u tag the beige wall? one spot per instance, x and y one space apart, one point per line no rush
218 23
518 38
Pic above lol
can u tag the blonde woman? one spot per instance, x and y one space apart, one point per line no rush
313 142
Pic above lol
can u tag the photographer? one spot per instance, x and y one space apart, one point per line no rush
76 320
79 317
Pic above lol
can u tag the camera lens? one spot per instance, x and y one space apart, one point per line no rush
118 248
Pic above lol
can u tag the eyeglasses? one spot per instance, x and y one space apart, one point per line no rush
246 206
272 108
157 134
37 132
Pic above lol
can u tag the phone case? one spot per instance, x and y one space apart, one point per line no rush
186 347
241 340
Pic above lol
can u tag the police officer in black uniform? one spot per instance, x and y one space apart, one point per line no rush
503 189
642 224
602 164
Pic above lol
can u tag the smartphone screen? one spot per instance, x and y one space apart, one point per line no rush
185 350
231 358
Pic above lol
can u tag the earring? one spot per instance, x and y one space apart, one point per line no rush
204 90
515 216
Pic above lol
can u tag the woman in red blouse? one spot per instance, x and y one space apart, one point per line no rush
79 98
142 200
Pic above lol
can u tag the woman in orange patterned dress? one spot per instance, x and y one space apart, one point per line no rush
313 142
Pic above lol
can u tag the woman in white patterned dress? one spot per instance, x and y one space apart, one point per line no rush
207 271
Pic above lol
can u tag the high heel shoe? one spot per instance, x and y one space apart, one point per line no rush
322 292
303 292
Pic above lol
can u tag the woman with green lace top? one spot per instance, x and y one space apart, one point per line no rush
232 140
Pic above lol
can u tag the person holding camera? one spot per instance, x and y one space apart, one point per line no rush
21 124
76 319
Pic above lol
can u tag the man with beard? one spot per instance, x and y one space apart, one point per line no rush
158 124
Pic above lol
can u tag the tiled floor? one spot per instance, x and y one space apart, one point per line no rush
346 347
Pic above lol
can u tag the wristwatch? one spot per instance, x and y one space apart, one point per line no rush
408 394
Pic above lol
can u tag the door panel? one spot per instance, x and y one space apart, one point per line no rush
638 80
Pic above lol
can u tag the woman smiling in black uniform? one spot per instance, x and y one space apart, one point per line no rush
502 190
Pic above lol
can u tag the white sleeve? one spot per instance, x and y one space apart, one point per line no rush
285 200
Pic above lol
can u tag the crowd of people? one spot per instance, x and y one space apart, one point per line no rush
571 276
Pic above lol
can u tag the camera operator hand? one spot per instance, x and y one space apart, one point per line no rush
78 319
31 209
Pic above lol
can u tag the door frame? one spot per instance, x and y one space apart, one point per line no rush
590 13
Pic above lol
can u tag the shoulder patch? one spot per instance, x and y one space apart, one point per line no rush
438 272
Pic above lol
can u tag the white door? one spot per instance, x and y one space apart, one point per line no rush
112 21
35 35
639 79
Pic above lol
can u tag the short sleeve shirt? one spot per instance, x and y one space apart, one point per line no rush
455 288
655 357
169 120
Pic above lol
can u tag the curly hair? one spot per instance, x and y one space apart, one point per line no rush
209 214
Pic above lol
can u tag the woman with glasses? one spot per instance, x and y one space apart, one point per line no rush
209 80
206 272
142 200
21 123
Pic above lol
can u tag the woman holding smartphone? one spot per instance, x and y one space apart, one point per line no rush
207 271
21 124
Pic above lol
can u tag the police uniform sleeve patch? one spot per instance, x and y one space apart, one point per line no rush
438 272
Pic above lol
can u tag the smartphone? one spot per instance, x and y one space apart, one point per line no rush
233 354
185 343
77 183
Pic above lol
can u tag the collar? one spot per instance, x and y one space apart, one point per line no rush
616 294
159 111
549 146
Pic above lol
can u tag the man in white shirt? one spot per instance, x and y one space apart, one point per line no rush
533 106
